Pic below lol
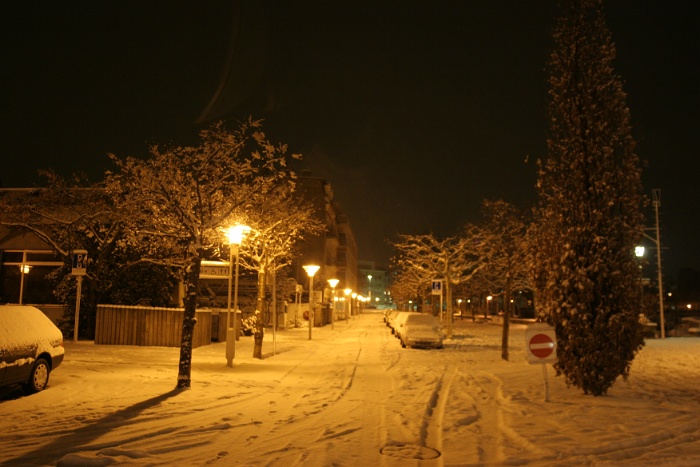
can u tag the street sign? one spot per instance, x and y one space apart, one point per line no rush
214 270
437 287
79 262
541 343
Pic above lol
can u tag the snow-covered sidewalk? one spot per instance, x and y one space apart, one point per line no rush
353 396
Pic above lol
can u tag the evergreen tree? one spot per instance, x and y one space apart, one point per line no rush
589 208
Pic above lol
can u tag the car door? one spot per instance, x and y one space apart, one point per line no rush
18 364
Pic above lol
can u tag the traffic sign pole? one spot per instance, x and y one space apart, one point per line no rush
541 347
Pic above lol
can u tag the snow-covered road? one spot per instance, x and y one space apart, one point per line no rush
352 396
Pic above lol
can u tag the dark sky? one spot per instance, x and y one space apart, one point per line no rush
415 111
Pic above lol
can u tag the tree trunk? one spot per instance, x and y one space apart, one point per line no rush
506 319
91 309
188 322
258 332
450 315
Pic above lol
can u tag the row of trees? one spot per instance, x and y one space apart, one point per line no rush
154 220
485 259
577 251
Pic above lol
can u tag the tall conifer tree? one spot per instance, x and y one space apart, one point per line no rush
590 200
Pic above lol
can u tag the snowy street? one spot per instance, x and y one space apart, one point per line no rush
352 396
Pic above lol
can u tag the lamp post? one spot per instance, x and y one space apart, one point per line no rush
353 304
23 270
311 270
657 242
235 238
639 253
369 286
488 306
333 283
347 293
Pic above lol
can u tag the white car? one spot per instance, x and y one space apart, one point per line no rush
421 330
399 321
31 346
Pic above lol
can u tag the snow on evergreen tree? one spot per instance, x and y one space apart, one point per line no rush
589 213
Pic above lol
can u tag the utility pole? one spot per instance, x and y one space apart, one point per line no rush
656 192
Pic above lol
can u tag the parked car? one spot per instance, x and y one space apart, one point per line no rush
390 319
421 330
400 320
31 347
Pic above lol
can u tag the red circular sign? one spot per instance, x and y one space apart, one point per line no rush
541 345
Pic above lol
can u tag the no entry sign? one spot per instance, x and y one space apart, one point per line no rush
541 343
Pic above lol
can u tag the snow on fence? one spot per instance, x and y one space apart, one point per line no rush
148 326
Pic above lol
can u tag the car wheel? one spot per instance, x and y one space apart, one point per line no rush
39 377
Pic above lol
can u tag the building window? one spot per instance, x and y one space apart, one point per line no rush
23 276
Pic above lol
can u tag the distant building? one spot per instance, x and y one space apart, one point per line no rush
334 250
375 284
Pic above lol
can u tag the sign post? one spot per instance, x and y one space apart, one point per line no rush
79 263
437 290
541 347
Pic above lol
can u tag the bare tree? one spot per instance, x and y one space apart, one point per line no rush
453 259
409 284
67 215
179 198
278 221
503 242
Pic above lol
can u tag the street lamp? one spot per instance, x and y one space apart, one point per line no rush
488 305
235 238
311 270
369 286
333 283
23 270
353 304
348 306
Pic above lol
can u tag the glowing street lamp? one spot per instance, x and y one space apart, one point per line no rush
23 269
311 269
235 238
369 285
488 305
333 283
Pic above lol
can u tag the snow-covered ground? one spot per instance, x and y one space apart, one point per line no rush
352 396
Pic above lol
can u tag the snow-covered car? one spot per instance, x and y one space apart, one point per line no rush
421 330
400 320
31 346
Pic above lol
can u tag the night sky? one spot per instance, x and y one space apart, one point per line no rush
414 111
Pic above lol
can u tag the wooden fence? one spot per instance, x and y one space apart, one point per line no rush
148 326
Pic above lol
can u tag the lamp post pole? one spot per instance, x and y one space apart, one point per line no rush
347 293
310 271
369 287
333 283
235 237
657 242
